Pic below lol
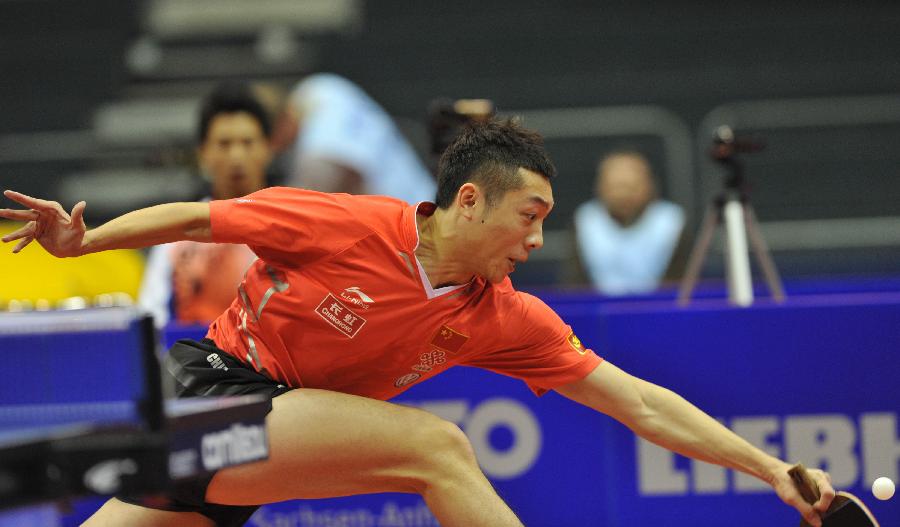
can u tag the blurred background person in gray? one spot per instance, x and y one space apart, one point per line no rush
338 139
190 282
626 236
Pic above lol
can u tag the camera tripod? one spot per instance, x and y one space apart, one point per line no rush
732 207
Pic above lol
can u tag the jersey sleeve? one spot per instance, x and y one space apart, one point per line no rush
286 225
543 350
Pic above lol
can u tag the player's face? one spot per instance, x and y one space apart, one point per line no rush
235 155
513 227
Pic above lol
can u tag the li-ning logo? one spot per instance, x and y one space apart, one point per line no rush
356 297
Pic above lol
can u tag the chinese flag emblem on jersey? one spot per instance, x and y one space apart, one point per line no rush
576 344
448 339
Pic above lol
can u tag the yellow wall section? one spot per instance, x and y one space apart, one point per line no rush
34 274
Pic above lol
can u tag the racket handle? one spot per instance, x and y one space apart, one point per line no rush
804 484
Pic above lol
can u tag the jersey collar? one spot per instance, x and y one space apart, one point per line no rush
425 208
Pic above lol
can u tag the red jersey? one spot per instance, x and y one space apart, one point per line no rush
337 300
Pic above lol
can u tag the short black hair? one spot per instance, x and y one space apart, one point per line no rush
231 97
490 154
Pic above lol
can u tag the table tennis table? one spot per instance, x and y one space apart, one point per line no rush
57 444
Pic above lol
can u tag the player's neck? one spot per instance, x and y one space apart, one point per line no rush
438 252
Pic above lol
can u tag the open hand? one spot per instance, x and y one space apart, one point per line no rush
57 231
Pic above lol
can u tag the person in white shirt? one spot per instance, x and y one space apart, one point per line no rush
626 236
340 140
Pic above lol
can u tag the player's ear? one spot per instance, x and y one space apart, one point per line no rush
467 198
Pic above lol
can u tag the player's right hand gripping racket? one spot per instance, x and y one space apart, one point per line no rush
846 510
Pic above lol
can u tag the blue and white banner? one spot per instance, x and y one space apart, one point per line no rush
812 380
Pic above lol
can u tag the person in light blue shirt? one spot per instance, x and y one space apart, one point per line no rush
340 140
626 237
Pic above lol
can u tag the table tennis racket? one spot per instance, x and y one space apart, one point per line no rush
846 510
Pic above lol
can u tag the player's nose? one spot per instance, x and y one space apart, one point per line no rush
535 239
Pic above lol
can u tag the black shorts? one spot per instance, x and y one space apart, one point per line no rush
201 369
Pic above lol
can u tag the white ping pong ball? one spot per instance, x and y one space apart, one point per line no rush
883 488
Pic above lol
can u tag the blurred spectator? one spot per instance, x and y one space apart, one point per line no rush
340 140
448 117
626 237
191 282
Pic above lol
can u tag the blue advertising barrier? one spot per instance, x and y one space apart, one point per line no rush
814 379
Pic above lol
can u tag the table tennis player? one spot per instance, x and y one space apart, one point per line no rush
356 298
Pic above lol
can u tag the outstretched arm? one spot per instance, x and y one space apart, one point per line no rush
665 418
64 235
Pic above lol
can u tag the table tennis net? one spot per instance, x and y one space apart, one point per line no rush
58 366
31 415
54 322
